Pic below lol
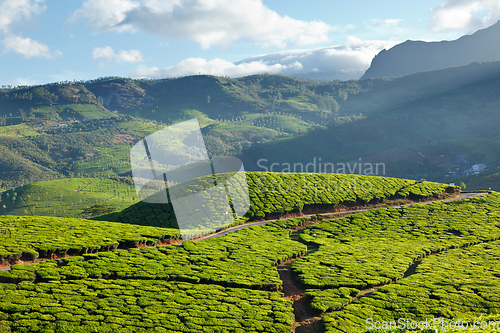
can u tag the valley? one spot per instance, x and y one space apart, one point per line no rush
426 132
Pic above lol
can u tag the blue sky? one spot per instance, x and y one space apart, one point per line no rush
44 41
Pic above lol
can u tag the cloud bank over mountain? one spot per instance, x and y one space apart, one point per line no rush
341 62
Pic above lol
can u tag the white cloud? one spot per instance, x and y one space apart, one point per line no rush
107 54
344 62
12 12
464 15
208 22
106 15
28 47
218 67
384 24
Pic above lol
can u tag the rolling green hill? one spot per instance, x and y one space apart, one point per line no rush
421 126
42 130
68 197
271 194
43 208
276 194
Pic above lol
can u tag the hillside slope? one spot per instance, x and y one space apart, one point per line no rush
276 194
431 125
424 125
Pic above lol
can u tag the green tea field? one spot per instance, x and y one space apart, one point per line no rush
304 274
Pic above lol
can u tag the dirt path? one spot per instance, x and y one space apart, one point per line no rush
305 318
247 225
80 189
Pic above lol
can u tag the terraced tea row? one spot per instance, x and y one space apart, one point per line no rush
273 194
243 259
459 284
29 237
135 306
377 247
71 294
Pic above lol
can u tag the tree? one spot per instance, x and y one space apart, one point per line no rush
299 206
22 113
463 186
97 210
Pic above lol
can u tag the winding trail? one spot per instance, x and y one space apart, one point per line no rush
345 212
247 225
81 189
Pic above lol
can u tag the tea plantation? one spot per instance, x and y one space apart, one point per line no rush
273 194
188 288
457 243
435 260
29 237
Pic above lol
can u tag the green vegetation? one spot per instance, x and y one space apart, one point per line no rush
246 259
136 295
68 197
32 237
18 130
458 283
417 125
97 210
135 306
273 194
88 148
436 260
425 189
349 256
379 247
112 160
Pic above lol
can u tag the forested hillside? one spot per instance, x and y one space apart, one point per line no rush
433 125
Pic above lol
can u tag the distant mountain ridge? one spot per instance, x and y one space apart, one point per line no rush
416 56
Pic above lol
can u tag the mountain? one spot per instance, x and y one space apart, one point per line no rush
417 56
